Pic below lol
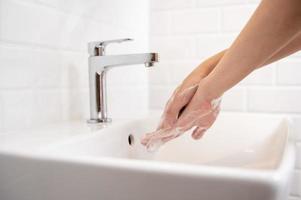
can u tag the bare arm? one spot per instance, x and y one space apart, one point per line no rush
273 32
209 64
176 102
292 47
273 26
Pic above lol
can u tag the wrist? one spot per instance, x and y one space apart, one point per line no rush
209 64
208 91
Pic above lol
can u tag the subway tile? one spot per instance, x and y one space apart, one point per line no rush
234 100
74 70
175 4
288 72
202 3
274 99
47 106
127 102
261 76
180 70
195 21
234 18
158 96
48 69
50 45
129 75
171 72
175 48
160 74
75 104
1 111
17 107
38 25
41 68
16 76
254 1
296 55
123 102
296 127
296 183
28 67
103 11
16 69
159 23
210 44
48 27
298 154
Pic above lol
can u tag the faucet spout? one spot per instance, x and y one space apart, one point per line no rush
105 62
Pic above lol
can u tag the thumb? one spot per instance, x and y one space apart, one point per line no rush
179 99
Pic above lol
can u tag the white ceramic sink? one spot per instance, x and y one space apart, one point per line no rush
242 157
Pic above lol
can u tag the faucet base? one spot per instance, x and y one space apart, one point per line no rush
97 121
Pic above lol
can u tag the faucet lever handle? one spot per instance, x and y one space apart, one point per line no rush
97 48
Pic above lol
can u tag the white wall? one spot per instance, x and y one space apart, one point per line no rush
43 58
185 32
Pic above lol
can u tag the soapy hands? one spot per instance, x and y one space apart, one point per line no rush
200 114
187 108
197 105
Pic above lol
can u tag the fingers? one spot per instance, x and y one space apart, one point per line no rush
199 112
193 115
161 134
164 121
154 140
201 120
202 116
178 100
198 132
205 124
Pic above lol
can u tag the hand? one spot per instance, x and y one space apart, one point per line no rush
200 113
179 100
184 93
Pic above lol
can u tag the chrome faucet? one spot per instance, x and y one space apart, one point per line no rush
99 64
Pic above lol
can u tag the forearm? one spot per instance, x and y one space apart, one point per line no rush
292 47
208 65
272 27
202 70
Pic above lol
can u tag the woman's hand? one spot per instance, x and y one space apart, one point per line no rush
184 93
177 104
194 102
200 114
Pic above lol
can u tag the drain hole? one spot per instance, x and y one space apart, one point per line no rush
131 139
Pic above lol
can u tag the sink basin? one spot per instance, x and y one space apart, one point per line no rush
242 157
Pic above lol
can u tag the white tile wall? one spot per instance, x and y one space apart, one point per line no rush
174 48
274 99
263 76
298 162
288 71
205 46
181 21
175 4
186 32
234 17
296 183
43 58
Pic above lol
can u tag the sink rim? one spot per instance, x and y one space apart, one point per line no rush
264 176
269 176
